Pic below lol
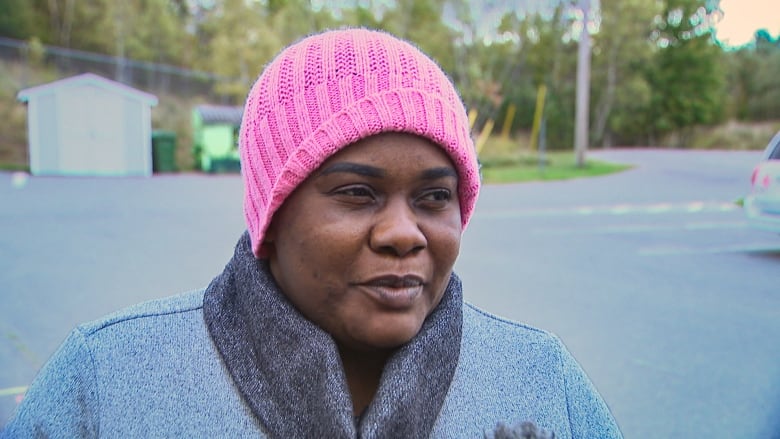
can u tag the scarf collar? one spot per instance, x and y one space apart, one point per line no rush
289 372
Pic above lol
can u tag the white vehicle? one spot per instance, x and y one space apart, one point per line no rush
762 205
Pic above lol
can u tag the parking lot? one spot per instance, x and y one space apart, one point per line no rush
651 276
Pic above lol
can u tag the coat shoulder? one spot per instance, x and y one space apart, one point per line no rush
485 325
184 303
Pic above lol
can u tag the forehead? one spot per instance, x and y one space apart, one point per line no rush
391 149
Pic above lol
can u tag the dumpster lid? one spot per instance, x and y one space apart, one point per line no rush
220 114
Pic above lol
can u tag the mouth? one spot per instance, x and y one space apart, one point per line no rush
394 291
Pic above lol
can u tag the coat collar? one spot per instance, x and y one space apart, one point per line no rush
288 369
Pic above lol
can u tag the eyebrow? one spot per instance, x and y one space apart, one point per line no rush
353 168
374 172
436 173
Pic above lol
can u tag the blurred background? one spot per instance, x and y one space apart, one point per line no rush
679 73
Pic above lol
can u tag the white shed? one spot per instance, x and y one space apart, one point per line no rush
88 125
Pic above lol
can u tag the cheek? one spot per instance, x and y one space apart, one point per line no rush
445 246
326 248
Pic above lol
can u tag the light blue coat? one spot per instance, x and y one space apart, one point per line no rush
153 371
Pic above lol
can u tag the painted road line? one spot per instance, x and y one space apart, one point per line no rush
660 208
622 209
692 207
620 229
671 250
697 206
13 391
605 230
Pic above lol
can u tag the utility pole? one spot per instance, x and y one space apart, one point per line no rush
583 87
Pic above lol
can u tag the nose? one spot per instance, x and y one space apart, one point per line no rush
396 230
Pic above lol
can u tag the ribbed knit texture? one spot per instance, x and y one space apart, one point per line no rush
333 89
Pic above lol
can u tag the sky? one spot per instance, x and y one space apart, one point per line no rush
737 27
742 18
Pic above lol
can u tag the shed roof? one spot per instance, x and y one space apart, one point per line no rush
88 79
220 114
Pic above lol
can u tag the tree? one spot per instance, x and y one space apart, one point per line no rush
551 57
16 19
687 76
620 91
764 102
158 33
752 77
420 21
236 44
61 18
241 37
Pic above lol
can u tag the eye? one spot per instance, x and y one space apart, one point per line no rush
435 198
358 194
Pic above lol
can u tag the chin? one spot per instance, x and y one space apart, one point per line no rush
393 334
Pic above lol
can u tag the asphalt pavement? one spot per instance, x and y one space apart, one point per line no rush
651 277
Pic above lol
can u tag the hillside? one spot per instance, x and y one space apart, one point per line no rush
174 113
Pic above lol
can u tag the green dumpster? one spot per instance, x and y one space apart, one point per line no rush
163 151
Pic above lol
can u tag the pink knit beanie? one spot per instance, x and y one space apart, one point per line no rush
333 89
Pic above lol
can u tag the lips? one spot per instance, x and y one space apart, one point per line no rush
394 291
393 281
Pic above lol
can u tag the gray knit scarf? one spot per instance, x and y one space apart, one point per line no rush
289 372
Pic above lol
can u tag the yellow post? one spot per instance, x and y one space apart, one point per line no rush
483 136
472 118
540 95
510 117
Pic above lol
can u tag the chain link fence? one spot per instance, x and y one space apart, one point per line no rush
153 77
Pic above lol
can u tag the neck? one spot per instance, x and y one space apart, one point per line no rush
363 370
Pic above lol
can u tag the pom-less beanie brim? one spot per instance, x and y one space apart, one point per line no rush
286 134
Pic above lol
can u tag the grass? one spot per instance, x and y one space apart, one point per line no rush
508 161
557 166
7 166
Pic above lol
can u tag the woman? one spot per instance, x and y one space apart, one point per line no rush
339 315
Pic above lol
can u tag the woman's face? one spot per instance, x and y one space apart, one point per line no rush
365 246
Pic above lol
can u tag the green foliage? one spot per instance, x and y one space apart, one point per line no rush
534 50
237 44
619 89
687 75
16 18
36 53
239 38
632 100
157 34
752 75
506 162
420 22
